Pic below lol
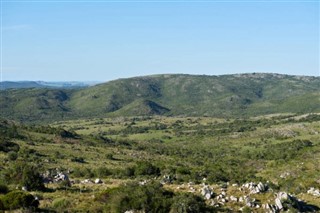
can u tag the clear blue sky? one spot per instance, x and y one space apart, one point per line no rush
83 41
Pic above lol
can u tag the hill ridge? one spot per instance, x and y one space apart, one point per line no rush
238 95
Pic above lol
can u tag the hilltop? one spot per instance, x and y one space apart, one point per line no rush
240 95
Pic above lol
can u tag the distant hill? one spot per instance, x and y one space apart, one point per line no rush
42 84
173 95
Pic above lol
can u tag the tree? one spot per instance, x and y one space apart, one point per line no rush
32 179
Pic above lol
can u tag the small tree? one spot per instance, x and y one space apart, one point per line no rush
32 179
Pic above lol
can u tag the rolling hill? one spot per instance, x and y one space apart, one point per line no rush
173 95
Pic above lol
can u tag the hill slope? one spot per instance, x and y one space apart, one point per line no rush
186 95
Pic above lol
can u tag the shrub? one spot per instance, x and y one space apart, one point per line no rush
102 172
19 199
147 198
32 179
3 189
7 146
24 174
12 155
82 172
185 203
146 168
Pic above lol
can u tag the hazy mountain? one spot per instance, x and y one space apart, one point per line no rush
183 95
43 84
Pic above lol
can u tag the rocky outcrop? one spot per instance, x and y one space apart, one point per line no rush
256 188
314 192
285 201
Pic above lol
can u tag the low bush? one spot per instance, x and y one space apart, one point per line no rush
18 199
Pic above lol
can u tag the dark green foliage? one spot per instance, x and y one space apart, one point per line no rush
78 159
284 151
146 168
67 134
17 199
51 130
12 155
31 178
83 172
3 188
7 146
8 129
148 198
26 175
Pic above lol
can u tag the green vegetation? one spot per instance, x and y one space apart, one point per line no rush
81 150
17 199
132 155
150 198
174 95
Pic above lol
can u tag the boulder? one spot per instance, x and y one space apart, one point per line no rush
278 203
61 177
283 196
261 187
314 192
97 181
207 192
233 198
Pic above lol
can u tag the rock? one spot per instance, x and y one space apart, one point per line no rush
86 181
24 188
207 196
314 192
98 181
61 177
261 187
191 189
278 203
273 209
234 199
283 196
166 179
207 192
255 188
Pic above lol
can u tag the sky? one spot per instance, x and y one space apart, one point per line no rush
57 40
